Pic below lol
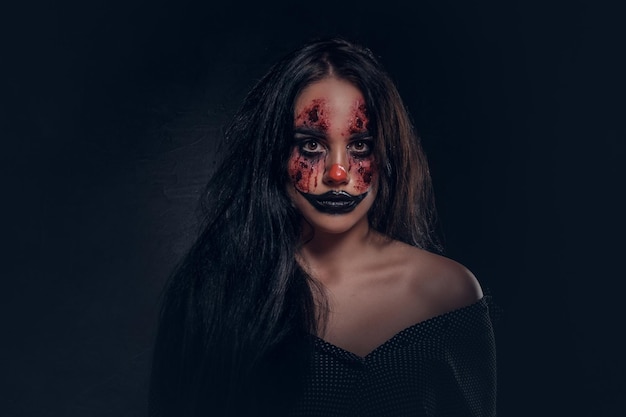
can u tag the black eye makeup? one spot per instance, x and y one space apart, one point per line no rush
310 147
313 146
361 148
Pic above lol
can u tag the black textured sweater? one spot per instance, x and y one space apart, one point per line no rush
444 366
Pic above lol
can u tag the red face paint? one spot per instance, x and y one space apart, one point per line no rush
338 173
359 120
361 168
365 172
301 169
306 168
314 115
332 169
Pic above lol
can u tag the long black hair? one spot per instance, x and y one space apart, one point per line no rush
238 307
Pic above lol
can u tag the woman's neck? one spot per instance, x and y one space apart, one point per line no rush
326 255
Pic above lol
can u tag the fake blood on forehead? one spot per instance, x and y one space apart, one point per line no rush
314 115
358 120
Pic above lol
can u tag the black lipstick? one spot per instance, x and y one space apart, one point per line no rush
334 202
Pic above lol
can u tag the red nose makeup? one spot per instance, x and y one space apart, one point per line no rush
337 173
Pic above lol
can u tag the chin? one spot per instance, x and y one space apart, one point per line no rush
334 225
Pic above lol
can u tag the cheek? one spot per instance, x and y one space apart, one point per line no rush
304 172
364 173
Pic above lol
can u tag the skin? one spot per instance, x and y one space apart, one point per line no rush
375 286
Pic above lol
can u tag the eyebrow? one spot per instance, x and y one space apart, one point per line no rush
362 135
307 131
320 134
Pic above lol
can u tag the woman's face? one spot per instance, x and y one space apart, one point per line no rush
332 170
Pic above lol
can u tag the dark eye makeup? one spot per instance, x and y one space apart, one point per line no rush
361 148
314 147
310 147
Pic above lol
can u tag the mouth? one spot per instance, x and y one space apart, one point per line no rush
334 202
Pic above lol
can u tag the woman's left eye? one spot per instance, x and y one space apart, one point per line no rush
360 148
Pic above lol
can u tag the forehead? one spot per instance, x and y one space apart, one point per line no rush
332 93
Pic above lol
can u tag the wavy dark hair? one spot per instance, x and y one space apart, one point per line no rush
237 309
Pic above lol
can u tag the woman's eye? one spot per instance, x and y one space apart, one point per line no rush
360 148
310 147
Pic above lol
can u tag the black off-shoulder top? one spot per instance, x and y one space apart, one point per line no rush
444 366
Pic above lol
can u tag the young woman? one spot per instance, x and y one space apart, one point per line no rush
315 287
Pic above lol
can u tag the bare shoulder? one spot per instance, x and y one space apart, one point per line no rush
439 284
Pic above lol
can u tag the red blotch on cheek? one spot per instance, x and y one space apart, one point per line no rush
366 172
315 114
301 170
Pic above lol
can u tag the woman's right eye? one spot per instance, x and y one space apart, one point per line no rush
310 147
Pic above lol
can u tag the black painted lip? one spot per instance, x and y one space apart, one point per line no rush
334 202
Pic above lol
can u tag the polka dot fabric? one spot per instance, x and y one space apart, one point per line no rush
444 366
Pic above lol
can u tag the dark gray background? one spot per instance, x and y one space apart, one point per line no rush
111 117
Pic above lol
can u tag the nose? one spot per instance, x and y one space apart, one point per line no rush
337 174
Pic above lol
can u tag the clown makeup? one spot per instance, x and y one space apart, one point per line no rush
332 164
